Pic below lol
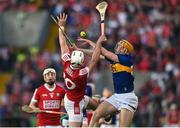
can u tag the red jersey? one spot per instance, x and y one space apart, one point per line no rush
48 99
75 79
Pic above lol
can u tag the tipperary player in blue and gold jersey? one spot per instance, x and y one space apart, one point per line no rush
124 99
122 68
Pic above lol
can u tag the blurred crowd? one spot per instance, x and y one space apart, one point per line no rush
152 26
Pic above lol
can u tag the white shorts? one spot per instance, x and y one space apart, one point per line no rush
125 100
75 109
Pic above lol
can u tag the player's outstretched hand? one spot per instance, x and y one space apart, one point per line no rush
62 19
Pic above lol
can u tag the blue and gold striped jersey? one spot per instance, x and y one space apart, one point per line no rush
122 73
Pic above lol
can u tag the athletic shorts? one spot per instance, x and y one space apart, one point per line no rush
125 100
75 109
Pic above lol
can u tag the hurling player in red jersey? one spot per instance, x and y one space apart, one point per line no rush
75 76
48 97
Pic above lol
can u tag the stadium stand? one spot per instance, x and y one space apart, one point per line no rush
152 26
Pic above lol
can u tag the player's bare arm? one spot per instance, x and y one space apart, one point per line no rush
87 41
34 107
104 52
62 40
96 53
88 51
109 55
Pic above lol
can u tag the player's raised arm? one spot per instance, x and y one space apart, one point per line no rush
96 53
109 55
104 52
62 40
88 51
87 41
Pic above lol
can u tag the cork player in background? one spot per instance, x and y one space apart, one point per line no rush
48 96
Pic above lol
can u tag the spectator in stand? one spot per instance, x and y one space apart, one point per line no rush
173 116
134 20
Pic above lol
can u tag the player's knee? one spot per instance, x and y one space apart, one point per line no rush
125 122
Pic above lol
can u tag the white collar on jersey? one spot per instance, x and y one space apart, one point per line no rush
50 89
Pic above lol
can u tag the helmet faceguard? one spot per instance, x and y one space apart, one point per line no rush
77 59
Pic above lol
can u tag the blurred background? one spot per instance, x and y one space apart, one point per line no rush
29 43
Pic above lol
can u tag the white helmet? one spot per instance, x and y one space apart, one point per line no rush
77 59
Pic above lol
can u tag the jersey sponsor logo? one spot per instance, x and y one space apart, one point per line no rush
51 104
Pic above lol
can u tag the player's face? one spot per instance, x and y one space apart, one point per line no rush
75 65
50 78
119 48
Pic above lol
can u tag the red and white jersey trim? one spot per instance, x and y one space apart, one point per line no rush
50 89
84 71
33 98
66 57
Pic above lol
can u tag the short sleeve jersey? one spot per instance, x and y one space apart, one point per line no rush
75 79
48 99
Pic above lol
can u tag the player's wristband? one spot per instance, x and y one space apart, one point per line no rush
61 28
